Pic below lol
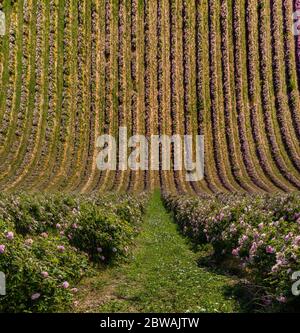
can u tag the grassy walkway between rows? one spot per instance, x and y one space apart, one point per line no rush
163 275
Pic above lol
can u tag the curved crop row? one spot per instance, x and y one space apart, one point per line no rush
20 127
133 73
240 106
121 80
107 75
8 78
173 86
214 98
268 123
291 65
253 97
187 76
28 157
50 100
200 84
297 8
72 70
147 84
91 171
280 98
228 99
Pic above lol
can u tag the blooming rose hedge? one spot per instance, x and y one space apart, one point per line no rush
49 242
262 233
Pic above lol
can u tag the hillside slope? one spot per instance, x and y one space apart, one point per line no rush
71 70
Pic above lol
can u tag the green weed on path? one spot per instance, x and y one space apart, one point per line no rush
163 275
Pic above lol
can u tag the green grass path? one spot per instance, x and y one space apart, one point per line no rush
163 275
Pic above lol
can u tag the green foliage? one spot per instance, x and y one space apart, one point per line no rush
47 242
104 235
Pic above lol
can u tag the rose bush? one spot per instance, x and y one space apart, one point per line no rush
261 232
47 243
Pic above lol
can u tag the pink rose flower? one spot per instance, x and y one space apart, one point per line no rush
260 226
282 299
61 248
29 241
2 249
10 235
253 249
270 249
297 216
297 240
65 285
36 296
45 274
287 237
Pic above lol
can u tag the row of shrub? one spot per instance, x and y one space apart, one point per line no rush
259 233
49 242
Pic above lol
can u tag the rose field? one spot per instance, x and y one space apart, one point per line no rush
78 238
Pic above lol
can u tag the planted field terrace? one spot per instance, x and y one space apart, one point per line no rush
74 70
